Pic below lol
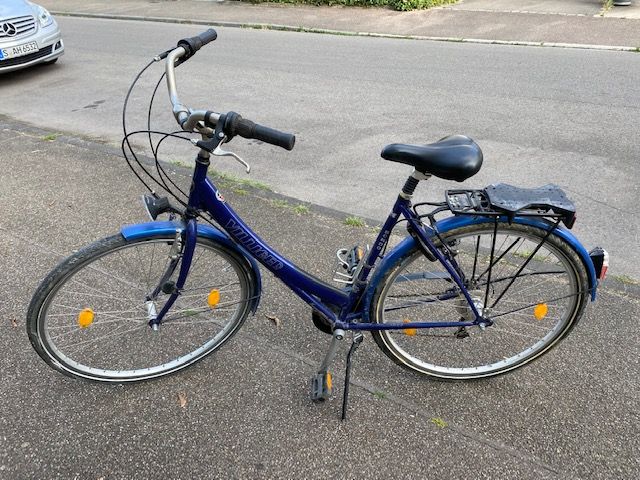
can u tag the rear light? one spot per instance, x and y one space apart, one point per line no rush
600 260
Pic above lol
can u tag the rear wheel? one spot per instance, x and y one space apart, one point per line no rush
90 317
534 297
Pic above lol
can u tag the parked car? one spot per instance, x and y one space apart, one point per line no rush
28 35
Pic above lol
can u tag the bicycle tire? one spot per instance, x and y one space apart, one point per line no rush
111 278
542 305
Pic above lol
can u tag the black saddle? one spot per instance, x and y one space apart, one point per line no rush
455 157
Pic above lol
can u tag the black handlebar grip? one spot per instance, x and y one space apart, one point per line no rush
193 44
208 36
274 137
248 129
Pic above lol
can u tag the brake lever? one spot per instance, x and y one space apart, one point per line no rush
219 152
213 145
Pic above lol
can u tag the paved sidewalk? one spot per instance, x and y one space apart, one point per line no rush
572 414
574 22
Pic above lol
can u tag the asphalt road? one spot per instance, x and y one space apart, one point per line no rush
560 116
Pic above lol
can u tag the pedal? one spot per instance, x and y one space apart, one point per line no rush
461 333
349 263
321 382
321 387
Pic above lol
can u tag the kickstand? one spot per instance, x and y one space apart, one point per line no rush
321 382
357 340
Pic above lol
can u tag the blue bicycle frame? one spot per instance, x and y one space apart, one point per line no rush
345 309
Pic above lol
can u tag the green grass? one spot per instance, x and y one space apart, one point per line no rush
379 395
179 163
606 6
438 422
226 180
280 203
525 254
239 186
353 221
402 5
626 279
301 209
51 137
522 253
231 181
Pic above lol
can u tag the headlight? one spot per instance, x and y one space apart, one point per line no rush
44 17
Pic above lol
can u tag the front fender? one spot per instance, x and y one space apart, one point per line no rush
157 229
458 221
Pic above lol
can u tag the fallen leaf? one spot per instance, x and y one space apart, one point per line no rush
14 324
182 399
276 321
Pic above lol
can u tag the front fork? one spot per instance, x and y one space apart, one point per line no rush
188 245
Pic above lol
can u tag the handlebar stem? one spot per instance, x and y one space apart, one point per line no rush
234 124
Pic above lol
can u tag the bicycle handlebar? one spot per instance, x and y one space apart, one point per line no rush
193 44
248 129
234 123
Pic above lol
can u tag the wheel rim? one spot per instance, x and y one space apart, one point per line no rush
420 290
118 344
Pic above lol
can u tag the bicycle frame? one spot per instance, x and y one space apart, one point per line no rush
319 295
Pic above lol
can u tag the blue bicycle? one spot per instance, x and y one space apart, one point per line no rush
490 285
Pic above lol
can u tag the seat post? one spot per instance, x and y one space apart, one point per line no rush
411 184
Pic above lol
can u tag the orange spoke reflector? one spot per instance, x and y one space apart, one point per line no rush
86 317
540 311
409 331
329 381
214 298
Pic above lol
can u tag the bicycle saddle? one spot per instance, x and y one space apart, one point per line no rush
455 157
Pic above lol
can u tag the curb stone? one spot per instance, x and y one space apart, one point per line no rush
291 28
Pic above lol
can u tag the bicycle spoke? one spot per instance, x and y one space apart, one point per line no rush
519 279
94 295
96 319
104 312
84 284
104 337
151 263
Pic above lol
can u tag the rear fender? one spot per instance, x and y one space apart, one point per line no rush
458 221
157 229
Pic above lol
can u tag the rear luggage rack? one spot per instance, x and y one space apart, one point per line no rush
501 199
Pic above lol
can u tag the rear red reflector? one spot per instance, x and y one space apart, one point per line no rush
600 260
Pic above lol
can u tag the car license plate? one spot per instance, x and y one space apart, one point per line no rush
18 50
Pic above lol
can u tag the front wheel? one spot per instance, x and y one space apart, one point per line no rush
534 296
90 317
